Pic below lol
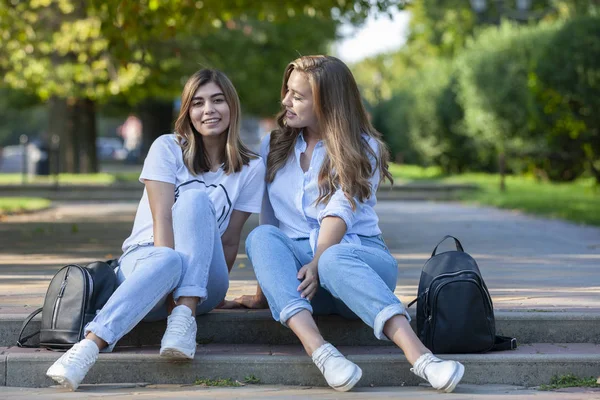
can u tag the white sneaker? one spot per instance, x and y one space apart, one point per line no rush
441 374
339 372
179 341
70 369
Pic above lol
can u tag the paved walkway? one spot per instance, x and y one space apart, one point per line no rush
260 392
528 263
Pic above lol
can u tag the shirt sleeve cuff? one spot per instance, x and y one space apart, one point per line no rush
346 216
159 178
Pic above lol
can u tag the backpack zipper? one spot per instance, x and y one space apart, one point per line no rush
442 276
89 284
61 292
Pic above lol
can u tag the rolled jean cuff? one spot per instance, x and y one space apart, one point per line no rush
190 291
293 308
383 317
103 333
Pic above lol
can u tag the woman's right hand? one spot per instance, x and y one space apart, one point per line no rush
252 301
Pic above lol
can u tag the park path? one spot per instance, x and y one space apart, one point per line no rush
528 263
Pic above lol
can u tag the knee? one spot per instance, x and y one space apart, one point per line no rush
195 199
330 260
168 262
261 237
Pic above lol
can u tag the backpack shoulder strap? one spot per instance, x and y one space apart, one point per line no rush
504 343
22 340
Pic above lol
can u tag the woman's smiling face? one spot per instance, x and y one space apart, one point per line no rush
209 112
298 102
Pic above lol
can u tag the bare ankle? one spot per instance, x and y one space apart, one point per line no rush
189 302
99 342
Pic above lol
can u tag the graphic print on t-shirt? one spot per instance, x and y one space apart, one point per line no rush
226 209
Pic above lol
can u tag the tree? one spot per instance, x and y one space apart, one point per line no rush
79 53
569 100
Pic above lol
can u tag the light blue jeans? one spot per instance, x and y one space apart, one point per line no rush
356 280
148 274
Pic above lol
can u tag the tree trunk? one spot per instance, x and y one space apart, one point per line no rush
86 128
502 170
62 115
74 121
157 119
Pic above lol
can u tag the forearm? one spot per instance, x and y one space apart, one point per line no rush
163 231
230 251
331 232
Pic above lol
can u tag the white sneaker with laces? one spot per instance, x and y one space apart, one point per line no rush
339 372
179 340
70 369
441 374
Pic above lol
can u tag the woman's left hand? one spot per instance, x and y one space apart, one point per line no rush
309 275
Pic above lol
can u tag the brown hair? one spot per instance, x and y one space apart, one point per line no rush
235 153
342 119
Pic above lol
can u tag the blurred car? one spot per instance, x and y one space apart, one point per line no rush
110 149
12 159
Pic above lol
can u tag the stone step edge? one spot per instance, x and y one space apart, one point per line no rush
238 327
242 315
380 367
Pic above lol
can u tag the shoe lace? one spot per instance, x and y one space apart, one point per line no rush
325 355
423 362
178 324
80 357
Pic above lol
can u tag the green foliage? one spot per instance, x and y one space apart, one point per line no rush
391 118
102 48
569 380
441 28
228 382
494 89
436 126
569 100
251 379
20 114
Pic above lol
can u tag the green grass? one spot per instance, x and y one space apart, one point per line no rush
19 204
570 380
577 201
217 382
414 172
228 382
101 178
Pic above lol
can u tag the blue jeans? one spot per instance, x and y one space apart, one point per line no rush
148 274
356 280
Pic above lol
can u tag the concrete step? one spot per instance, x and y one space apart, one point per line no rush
530 365
257 327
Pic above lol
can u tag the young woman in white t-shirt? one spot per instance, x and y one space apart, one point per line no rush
201 185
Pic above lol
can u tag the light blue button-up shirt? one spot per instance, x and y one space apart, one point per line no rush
289 201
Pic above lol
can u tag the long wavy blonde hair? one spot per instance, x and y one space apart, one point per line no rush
235 154
342 119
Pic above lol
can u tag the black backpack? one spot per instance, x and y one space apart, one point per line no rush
454 308
74 296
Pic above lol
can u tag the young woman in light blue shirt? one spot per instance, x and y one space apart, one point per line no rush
319 249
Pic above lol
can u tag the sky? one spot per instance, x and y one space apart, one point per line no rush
377 35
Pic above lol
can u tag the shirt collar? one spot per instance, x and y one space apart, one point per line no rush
301 143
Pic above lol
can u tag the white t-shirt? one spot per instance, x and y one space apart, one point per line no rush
241 191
